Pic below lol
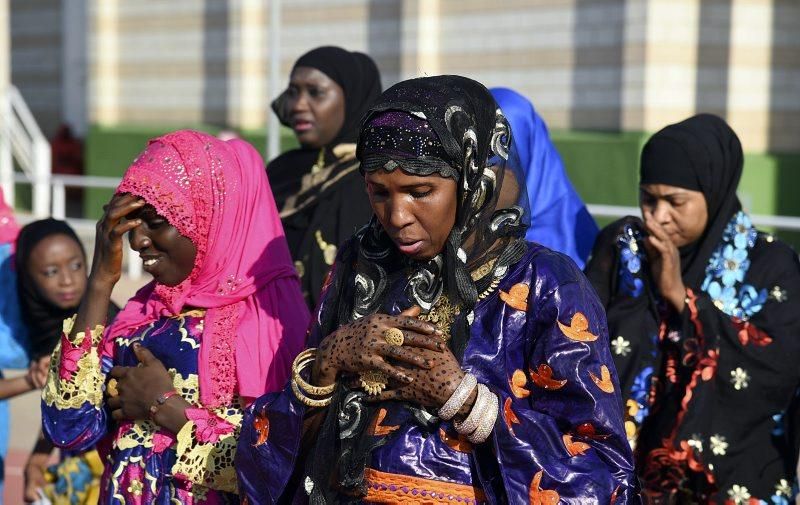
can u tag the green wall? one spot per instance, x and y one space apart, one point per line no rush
603 167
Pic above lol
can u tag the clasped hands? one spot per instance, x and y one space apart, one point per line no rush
422 369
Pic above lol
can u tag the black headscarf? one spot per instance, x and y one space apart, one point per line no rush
360 80
449 125
464 133
44 320
357 75
703 154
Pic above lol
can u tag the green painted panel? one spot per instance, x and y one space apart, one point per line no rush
603 167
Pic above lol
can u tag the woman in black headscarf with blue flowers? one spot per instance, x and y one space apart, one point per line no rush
704 322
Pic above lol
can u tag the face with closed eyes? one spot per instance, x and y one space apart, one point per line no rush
58 268
167 255
682 213
416 212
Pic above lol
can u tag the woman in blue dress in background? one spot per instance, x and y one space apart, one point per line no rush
559 219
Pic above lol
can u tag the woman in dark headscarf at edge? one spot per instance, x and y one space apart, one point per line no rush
318 188
501 385
559 218
704 319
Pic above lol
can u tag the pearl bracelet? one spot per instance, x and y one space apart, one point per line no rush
472 421
487 421
459 396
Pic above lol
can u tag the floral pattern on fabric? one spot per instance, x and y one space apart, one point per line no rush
559 432
208 427
631 259
75 377
727 268
145 464
75 480
725 365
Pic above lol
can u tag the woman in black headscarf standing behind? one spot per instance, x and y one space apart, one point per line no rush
318 188
704 320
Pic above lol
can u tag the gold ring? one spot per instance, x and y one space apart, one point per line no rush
111 388
373 381
394 336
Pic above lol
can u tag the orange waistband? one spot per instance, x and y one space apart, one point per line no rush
385 487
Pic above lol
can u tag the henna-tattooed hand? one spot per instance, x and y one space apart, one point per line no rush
361 346
431 387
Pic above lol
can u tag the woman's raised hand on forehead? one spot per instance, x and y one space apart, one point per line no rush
107 263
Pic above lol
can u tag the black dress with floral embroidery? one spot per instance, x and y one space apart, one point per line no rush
706 391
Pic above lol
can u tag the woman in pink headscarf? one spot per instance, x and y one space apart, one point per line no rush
162 389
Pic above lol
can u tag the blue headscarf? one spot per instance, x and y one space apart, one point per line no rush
559 219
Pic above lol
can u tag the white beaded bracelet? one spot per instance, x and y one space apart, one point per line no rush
482 402
487 421
459 396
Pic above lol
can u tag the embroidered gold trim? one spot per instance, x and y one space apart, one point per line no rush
483 270
328 250
384 487
442 315
209 465
320 163
344 153
85 386
373 381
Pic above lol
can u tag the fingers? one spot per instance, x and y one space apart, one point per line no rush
407 356
412 311
39 380
44 363
392 372
144 355
387 395
411 323
117 199
119 209
118 415
119 372
654 227
659 245
122 205
122 228
414 339
114 403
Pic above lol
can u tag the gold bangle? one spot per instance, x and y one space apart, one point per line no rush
300 362
309 402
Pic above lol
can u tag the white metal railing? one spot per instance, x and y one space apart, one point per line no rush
134 267
782 222
21 137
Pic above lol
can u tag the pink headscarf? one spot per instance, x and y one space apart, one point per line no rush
216 193
8 225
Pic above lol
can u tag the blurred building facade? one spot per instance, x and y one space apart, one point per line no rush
613 65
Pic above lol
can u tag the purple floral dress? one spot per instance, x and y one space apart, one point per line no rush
540 342
144 464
